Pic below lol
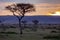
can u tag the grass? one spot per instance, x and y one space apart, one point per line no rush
52 37
27 34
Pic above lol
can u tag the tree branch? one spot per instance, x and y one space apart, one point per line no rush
16 15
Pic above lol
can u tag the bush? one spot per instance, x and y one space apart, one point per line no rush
8 32
11 33
53 32
2 32
34 29
12 27
51 37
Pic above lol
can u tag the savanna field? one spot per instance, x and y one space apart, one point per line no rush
42 32
29 19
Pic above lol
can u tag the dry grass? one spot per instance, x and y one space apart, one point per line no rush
27 34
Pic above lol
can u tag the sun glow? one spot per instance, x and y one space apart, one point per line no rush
57 13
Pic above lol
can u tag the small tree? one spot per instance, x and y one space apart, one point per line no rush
2 25
20 9
24 23
35 26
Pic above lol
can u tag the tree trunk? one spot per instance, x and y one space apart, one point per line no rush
21 32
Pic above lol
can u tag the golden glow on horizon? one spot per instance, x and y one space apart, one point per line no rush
57 13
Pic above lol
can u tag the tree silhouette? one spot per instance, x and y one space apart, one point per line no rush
35 25
19 10
2 25
24 23
35 21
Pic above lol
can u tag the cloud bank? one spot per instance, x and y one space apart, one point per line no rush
33 1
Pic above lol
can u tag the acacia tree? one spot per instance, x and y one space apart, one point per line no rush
35 26
24 23
20 9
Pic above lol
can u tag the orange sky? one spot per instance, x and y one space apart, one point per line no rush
41 9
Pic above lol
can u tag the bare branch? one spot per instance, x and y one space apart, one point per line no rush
16 15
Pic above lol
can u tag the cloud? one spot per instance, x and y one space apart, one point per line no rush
41 9
21 1
33 1
6 0
50 1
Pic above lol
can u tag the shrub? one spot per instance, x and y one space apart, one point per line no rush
52 37
8 32
53 31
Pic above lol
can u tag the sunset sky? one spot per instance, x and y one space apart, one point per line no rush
43 7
